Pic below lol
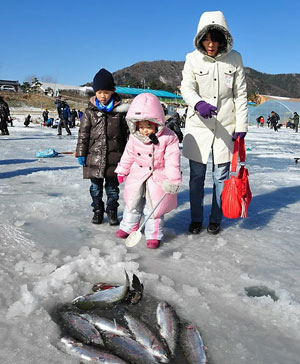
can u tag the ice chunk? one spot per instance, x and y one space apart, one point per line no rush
25 306
177 255
190 291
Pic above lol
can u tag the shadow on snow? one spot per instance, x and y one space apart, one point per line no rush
16 161
24 172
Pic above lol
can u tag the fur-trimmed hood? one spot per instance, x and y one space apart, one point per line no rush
145 106
213 20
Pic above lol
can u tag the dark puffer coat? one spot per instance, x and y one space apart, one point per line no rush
102 138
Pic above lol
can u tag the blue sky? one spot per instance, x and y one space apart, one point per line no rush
68 41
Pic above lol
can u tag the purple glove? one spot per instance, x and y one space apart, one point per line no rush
236 135
205 110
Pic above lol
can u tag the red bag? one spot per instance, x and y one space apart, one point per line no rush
236 195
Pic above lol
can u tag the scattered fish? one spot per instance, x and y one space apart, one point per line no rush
103 298
80 328
87 353
128 349
168 324
147 338
192 345
105 325
96 335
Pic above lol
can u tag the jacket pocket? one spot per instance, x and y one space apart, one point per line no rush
203 79
229 75
202 72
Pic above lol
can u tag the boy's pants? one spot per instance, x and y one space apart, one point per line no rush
131 220
112 192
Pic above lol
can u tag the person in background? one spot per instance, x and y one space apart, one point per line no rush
58 102
183 119
49 122
296 121
73 118
150 167
274 120
258 121
79 113
27 120
214 88
64 118
262 121
4 116
174 123
101 141
10 120
45 115
164 108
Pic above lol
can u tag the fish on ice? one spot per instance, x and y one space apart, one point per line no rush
146 337
80 328
87 353
168 324
192 345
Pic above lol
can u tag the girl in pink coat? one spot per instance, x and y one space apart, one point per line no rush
150 167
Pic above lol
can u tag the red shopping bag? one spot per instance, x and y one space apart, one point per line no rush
236 195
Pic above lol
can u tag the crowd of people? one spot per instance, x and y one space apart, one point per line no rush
66 118
273 121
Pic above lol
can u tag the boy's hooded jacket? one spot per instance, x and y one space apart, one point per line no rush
219 81
144 161
102 138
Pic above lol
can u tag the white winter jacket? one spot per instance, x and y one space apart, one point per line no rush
219 81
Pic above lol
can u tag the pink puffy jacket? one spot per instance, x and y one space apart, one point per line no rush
143 161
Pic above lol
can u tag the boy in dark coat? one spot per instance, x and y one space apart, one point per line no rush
101 141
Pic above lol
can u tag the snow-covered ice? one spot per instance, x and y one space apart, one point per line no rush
50 252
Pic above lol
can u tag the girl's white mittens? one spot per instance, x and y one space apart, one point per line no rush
170 187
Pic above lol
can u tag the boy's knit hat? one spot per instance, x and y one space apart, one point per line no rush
103 80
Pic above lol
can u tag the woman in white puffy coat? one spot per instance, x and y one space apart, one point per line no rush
214 87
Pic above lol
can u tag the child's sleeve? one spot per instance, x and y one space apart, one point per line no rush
172 160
